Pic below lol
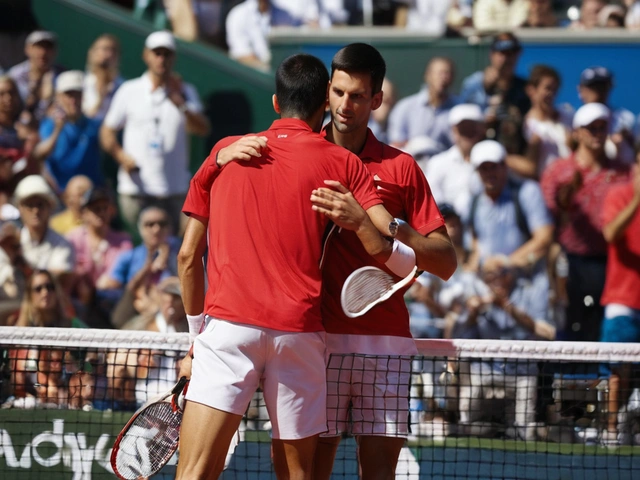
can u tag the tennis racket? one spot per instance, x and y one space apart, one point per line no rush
150 437
367 287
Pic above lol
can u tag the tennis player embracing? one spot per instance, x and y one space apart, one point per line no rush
260 320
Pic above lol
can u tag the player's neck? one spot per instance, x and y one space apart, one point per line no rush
352 141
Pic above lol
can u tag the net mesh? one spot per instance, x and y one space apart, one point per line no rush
472 409
363 287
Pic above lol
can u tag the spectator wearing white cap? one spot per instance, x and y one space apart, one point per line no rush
37 75
451 176
509 222
426 113
69 144
546 129
574 190
156 112
43 248
596 84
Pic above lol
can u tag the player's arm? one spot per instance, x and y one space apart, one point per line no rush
190 266
434 252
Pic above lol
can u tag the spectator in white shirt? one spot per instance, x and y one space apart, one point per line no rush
499 15
156 111
423 16
43 248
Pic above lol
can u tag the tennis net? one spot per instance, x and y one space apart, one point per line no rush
478 409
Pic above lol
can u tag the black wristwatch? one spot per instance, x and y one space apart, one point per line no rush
393 227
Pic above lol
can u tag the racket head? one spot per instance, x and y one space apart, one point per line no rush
363 289
149 439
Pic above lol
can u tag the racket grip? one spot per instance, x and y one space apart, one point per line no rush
180 385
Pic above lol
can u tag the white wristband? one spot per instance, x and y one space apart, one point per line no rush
402 259
195 324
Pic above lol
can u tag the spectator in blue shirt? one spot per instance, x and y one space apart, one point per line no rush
69 141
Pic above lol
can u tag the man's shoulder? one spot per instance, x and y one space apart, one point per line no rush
409 101
17 72
473 79
57 240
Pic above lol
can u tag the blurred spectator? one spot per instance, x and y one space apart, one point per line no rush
540 15
14 271
13 132
193 20
451 176
574 190
102 77
156 111
621 229
36 76
97 247
589 11
426 113
379 120
632 19
428 17
71 217
69 143
595 86
43 248
16 21
499 15
547 129
460 14
509 222
8 181
314 13
170 316
500 93
612 16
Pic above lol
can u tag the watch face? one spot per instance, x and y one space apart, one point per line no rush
393 227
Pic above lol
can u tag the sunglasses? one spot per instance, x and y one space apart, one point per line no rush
49 287
160 223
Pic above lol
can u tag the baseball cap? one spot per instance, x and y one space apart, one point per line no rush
595 75
95 194
465 111
41 36
32 186
161 39
170 285
589 113
487 151
505 44
72 80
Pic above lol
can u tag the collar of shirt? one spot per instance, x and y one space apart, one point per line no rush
290 124
373 148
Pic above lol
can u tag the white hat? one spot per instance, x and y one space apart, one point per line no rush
465 111
589 113
421 146
161 39
487 151
72 80
41 36
34 185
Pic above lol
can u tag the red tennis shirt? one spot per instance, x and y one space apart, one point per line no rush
406 195
265 241
622 282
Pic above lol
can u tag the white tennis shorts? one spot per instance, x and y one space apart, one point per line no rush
232 360
374 388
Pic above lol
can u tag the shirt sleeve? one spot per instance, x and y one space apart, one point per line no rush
533 206
46 128
117 114
197 201
420 206
360 183
120 269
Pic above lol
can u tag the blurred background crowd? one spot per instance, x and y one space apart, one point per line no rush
539 198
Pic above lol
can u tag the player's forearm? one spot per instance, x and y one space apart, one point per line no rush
381 219
191 276
434 253
374 243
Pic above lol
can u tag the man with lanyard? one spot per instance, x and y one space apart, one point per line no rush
263 320
355 90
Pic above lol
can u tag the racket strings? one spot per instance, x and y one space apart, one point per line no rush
149 442
365 288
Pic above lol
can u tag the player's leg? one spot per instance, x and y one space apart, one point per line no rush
294 385
324 457
205 435
378 456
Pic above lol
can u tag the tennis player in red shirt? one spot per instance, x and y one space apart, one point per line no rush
263 321
376 381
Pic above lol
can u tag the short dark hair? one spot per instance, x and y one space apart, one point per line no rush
301 86
361 58
538 72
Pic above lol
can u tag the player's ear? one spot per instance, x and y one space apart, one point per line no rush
376 101
276 107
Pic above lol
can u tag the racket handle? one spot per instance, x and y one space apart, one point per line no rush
180 385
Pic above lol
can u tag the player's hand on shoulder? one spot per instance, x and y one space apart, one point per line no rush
339 205
242 150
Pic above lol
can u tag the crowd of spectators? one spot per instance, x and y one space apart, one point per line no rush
525 186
